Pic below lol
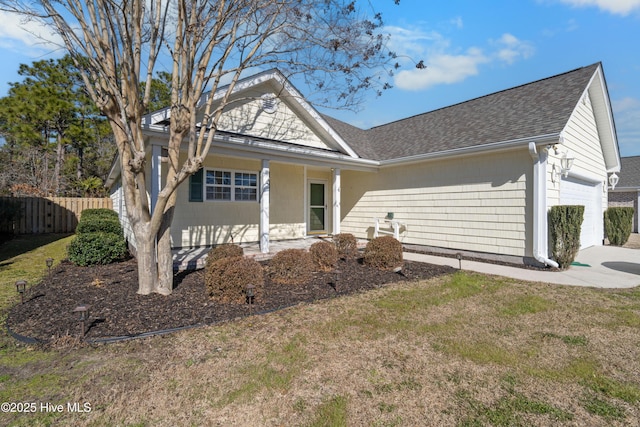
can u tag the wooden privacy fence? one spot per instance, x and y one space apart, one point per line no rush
49 214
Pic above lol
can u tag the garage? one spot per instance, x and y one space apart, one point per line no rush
577 192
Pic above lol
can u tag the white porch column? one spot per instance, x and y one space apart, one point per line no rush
637 214
336 201
156 174
264 207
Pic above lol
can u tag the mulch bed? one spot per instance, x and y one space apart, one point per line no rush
116 310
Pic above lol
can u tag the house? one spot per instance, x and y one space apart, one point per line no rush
627 192
478 176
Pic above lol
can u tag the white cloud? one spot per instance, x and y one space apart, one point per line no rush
510 48
617 7
447 64
457 22
442 69
26 37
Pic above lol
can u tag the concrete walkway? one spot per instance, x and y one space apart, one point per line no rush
597 266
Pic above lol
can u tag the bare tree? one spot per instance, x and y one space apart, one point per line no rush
118 45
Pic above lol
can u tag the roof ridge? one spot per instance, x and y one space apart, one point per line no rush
488 95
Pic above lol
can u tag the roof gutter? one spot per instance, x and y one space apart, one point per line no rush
540 233
502 145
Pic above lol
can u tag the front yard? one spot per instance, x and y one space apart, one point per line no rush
460 349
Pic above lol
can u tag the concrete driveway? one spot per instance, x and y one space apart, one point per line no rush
597 266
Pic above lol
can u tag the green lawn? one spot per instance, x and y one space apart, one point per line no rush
463 350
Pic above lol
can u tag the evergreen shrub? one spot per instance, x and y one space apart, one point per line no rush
96 248
99 239
99 224
227 278
98 213
565 223
291 267
383 252
618 224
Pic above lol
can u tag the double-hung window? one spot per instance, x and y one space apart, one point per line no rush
221 185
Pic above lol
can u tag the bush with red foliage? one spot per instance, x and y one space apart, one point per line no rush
227 279
324 255
347 245
291 267
384 253
224 251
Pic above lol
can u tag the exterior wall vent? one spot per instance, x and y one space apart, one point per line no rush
269 103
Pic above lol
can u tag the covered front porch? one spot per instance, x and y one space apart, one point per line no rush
193 259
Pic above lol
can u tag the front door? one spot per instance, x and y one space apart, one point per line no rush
317 208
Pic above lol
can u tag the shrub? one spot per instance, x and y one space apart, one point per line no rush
324 255
384 253
98 213
564 230
99 238
227 279
618 224
96 248
347 245
99 224
224 251
291 267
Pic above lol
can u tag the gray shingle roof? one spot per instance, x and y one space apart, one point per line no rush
629 172
539 108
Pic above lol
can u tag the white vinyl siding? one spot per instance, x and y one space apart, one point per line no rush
282 124
118 204
476 203
581 137
211 223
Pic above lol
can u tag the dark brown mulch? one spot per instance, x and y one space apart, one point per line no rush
118 311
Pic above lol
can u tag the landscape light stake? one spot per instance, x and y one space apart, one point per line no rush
49 262
459 256
398 270
250 295
83 316
335 281
21 287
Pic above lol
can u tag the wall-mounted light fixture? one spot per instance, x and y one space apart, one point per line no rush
613 180
566 162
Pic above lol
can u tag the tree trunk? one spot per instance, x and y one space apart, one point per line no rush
58 165
147 266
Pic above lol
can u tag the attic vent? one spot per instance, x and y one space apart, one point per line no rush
269 103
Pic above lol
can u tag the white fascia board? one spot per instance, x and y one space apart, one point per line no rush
494 146
255 80
247 147
597 91
293 153
293 92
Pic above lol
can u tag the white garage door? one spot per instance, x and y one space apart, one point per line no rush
576 192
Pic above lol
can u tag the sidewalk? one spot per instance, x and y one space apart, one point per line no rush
597 266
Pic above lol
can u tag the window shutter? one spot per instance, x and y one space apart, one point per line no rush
195 186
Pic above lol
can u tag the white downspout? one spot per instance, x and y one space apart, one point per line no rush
540 243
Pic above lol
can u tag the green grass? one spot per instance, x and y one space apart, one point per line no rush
23 258
275 372
331 413
525 304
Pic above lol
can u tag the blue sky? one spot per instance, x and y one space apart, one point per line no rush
471 48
